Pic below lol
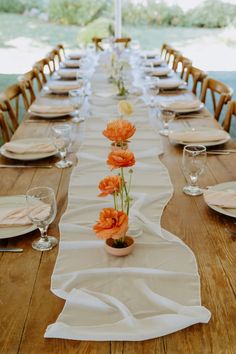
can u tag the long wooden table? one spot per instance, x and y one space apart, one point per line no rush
27 306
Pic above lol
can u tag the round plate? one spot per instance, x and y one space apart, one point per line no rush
223 187
29 156
50 115
187 110
16 201
205 143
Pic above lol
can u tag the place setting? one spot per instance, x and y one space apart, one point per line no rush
22 214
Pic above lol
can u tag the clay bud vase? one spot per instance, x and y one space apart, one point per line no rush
119 146
111 248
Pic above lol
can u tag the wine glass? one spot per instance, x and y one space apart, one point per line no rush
77 100
62 139
42 209
194 161
166 116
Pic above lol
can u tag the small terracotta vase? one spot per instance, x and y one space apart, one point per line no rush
117 146
119 252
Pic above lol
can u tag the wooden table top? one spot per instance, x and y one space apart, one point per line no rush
27 306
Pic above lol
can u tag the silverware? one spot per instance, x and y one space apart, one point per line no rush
225 150
26 166
218 153
3 249
45 121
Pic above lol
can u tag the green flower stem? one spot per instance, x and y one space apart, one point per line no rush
125 189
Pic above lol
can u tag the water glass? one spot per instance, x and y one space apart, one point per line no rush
194 161
61 135
42 209
77 100
166 116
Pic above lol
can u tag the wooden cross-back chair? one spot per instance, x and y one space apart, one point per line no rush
231 111
44 68
4 129
28 82
171 55
12 101
56 56
164 49
98 42
181 63
197 77
216 88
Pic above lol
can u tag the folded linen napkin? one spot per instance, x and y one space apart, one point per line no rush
150 54
194 104
37 108
161 71
19 216
63 86
70 73
21 147
223 199
169 83
72 63
154 62
197 136
76 55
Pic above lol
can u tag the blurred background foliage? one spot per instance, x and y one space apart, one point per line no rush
210 14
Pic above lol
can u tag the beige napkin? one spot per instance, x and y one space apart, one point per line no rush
169 83
26 147
160 71
154 62
37 108
71 73
194 104
72 63
197 136
63 86
76 55
223 199
19 216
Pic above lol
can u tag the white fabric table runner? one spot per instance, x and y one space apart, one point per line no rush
150 293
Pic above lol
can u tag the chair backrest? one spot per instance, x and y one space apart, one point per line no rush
13 100
231 111
4 129
98 42
216 87
171 54
164 48
28 83
181 64
43 67
60 47
56 56
197 77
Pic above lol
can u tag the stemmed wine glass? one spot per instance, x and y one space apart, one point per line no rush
77 100
166 116
62 139
194 161
42 209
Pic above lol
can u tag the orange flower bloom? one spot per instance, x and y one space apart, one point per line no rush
109 185
111 224
121 158
119 130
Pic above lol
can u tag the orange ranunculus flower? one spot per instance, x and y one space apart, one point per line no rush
111 224
109 185
120 158
119 130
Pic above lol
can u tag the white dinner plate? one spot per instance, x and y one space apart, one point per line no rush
224 187
16 201
184 110
50 115
205 143
29 156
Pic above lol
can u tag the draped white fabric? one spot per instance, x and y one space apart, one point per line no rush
150 293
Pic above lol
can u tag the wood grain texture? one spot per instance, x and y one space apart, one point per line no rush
27 306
